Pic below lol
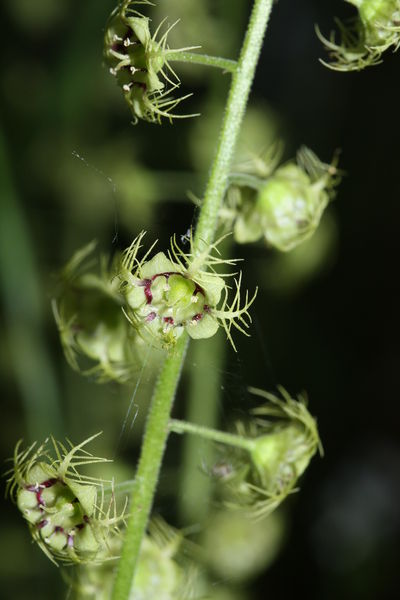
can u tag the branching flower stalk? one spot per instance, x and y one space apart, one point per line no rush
156 431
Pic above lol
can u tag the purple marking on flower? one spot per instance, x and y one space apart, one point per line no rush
139 84
198 290
86 518
197 317
168 320
58 529
49 482
38 488
118 47
167 275
148 293
207 309
80 526
146 283
42 523
150 317
70 541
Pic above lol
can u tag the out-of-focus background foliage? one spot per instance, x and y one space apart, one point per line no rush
72 169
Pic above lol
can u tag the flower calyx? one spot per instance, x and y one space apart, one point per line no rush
285 206
60 505
139 62
365 38
175 292
282 439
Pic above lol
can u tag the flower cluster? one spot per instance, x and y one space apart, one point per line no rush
139 62
364 39
285 205
281 440
60 504
177 291
91 323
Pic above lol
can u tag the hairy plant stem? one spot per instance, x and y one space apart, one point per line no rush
221 437
226 64
144 484
235 108
156 431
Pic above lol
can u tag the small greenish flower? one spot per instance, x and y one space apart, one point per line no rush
164 571
176 292
92 326
284 207
364 39
60 505
281 440
139 62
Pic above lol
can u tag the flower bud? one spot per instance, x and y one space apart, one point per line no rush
363 41
167 295
281 440
59 504
287 206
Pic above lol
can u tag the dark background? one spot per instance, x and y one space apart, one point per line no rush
335 333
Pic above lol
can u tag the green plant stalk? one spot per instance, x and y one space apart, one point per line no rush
156 431
205 358
226 64
144 484
235 109
220 437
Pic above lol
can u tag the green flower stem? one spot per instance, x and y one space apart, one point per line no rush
156 431
235 108
226 64
144 484
205 362
221 437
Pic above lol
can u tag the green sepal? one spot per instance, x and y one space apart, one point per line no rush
86 494
135 297
158 264
205 328
213 286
